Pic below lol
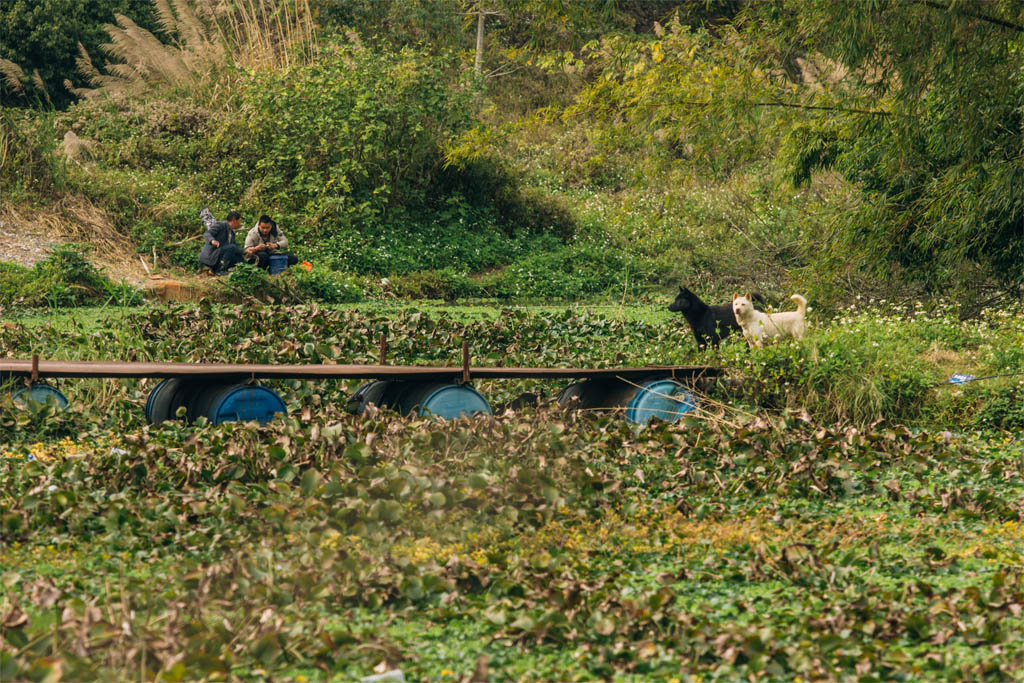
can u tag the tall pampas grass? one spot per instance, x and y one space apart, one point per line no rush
208 35
13 75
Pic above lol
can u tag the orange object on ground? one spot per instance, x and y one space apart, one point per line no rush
308 266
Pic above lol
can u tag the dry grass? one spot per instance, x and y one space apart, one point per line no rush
940 356
13 75
76 219
76 148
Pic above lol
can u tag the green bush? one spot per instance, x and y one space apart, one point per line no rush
326 286
346 139
250 280
30 167
15 281
435 284
64 278
575 271
1000 406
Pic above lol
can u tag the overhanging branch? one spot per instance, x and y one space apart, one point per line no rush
790 105
935 4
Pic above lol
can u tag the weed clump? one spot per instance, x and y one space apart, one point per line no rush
64 278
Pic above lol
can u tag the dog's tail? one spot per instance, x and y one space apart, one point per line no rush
801 304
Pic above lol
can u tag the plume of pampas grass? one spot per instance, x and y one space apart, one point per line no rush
252 34
13 75
76 148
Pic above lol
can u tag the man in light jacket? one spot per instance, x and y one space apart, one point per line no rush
264 240
220 251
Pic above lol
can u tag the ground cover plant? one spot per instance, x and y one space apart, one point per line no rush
784 532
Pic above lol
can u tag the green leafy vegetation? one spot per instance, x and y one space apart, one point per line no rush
64 278
835 510
777 145
780 533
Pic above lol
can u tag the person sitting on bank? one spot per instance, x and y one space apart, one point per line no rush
220 251
266 240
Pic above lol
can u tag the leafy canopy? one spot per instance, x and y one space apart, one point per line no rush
940 165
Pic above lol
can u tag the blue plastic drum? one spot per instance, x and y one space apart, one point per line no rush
169 395
665 399
40 394
440 399
244 402
278 263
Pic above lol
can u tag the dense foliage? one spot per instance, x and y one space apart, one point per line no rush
853 369
64 278
939 159
808 145
536 545
42 38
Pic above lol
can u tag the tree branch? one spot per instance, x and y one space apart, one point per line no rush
790 105
934 4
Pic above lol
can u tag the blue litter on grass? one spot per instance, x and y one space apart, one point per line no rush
959 379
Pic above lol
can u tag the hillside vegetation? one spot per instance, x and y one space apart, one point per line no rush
598 148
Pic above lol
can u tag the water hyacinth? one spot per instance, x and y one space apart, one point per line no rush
781 532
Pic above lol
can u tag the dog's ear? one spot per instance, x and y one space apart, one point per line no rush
735 296
682 289
748 297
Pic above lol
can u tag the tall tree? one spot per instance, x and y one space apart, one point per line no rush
940 156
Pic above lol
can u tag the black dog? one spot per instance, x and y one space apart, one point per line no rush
709 323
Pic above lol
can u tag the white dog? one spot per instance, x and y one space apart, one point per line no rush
758 326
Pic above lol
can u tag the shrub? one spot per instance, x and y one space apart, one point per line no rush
29 165
326 286
435 284
362 134
577 270
250 280
64 278
1000 406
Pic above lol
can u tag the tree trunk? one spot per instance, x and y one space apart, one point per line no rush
479 65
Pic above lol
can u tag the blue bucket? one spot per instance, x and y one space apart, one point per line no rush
41 394
243 402
278 263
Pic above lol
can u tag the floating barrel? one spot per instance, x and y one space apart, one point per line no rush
372 392
40 393
222 403
439 399
169 395
666 399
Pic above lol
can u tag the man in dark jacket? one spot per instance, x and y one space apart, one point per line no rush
220 252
